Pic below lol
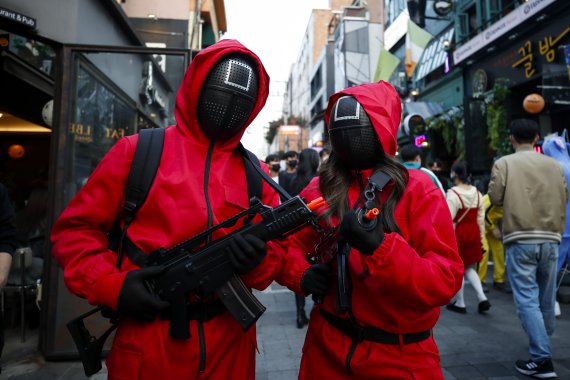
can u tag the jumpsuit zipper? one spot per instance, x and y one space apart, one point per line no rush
201 336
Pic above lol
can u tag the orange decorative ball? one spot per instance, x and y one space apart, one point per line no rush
16 151
533 103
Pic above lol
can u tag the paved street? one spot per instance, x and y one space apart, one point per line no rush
472 346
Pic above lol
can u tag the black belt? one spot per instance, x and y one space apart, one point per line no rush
200 311
359 333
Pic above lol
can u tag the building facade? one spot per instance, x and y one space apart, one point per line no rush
77 76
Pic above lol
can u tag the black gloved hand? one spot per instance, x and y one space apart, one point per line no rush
362 237
135 300
246 252
316 280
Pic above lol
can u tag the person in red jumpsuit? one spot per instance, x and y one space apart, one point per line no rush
200 182
400 271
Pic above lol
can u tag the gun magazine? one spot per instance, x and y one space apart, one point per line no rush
240 302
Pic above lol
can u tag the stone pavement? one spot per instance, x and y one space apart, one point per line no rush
472 346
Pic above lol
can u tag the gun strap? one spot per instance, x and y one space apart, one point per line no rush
141 176
254 185
254 161
376 183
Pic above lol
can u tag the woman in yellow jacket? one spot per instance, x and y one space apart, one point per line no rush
494 245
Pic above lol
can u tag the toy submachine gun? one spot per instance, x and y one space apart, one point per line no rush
209 268
333 247
196 265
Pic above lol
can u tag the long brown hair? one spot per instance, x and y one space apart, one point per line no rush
334 181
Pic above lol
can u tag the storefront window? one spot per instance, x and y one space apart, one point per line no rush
100 117
37 54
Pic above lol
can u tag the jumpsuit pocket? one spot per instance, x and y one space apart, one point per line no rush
123 364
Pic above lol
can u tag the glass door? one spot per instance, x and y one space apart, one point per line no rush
102 93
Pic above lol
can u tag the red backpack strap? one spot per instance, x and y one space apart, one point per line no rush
460 200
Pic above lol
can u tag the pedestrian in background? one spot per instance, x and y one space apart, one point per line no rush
533 192
436 167
272 160
285 176
307 169
466 206
400 269
411 157
324 154
495 251
7 247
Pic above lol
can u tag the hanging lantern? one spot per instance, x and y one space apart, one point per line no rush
533 103
16 151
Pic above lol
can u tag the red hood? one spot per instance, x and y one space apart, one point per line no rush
382 105
187 98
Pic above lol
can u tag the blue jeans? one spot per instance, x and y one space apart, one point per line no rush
532 273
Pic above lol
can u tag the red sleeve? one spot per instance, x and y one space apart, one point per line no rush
298 245
427 269
263 275
79 236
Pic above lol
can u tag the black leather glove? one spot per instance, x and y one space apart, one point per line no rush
246 252
316 280
361 235
135 300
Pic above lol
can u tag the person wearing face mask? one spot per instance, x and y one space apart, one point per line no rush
272 161
285 176
399 267
200 182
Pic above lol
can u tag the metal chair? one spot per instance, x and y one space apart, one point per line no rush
19 284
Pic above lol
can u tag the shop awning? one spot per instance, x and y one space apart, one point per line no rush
434 54
425 109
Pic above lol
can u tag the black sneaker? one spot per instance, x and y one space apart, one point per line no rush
457 309
502 287
538 370
484 306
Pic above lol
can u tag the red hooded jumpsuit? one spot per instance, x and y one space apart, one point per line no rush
410 276
199 183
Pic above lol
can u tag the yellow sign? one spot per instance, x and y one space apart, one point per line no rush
84 133
545 48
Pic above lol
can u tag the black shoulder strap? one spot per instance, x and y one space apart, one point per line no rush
254 183
143 168
252 162
141 176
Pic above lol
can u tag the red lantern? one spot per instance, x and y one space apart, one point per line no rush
533 103
16 151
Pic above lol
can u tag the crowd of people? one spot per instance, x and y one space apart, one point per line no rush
392 243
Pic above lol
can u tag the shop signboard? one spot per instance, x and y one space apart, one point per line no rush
18 18
526 58
499 28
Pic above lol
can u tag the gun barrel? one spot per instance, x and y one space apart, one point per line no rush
317 203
